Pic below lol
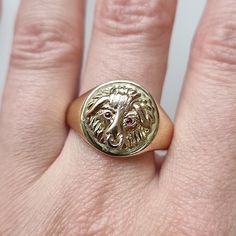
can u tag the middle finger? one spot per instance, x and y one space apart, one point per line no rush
130 41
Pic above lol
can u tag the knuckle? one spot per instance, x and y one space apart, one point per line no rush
217 43
40 44
125 17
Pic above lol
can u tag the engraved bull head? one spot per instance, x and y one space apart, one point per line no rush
120 118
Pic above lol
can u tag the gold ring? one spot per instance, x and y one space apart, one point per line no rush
120 118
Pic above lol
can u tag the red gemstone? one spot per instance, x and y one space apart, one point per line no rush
129 121
108 114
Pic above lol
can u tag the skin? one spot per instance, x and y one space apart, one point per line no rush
53 183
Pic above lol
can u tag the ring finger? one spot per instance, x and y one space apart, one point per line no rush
130 41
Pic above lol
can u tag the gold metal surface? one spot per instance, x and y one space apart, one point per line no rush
120 118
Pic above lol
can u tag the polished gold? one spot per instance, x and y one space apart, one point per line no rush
120 118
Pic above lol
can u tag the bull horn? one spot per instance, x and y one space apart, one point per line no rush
96 104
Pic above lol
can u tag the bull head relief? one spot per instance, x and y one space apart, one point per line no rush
120 117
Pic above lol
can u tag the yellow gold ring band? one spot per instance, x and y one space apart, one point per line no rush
121 118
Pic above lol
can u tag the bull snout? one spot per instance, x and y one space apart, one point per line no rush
116 142
115 137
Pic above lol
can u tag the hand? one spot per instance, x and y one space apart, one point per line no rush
53 183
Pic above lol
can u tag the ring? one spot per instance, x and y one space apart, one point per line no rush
120 118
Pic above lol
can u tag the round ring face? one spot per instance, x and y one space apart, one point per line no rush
120 118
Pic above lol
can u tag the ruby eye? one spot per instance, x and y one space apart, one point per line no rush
107 115
129 122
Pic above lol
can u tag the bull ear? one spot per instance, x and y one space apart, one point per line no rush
144 111
133 96
96 105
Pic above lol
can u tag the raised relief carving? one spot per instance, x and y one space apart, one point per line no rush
120 118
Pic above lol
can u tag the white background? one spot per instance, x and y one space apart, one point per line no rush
188 14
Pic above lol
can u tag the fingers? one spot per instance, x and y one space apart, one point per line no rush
202 159
42 81
130 41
